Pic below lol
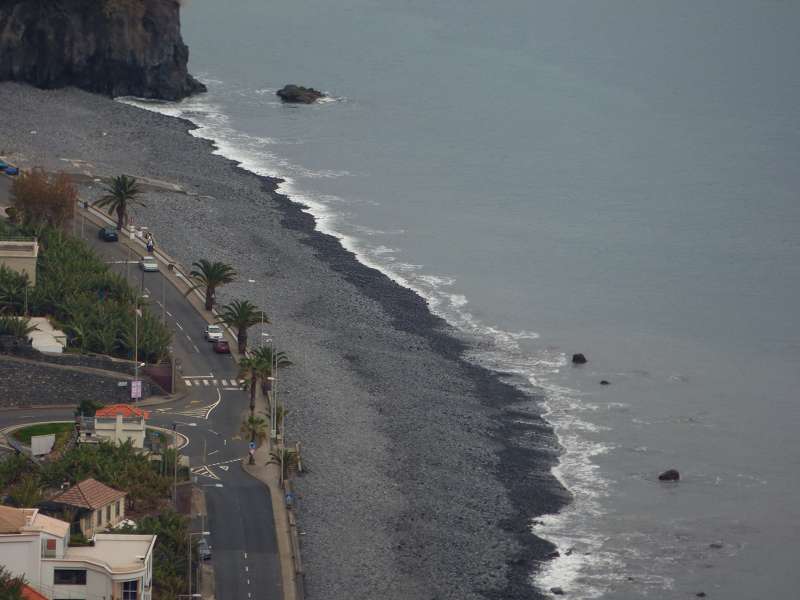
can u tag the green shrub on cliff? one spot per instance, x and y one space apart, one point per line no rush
93 305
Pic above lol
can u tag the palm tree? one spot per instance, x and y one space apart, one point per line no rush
18 327
270 359
122 191
210 276
250 369
241 314
256 429
11 586
286 458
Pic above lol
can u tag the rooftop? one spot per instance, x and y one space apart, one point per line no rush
116 552
126 410
28 520
89 493
31 594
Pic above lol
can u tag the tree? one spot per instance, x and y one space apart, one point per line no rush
18 327
87 407
270 359
210 276
13 286
256 429
41 200
286 458
250 369
121 193
10 586
241 314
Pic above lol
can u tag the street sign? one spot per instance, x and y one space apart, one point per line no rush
252 445
136 389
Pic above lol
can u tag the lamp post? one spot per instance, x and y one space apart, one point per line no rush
189 566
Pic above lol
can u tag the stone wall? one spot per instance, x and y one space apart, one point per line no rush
30 383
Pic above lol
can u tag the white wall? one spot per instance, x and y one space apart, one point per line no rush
21 555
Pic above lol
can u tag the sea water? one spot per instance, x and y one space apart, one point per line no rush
615 178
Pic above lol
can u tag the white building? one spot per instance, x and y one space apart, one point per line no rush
114 567
118 423
46 338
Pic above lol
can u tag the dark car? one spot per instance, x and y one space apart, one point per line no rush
222 347
203 549
12 170
108 234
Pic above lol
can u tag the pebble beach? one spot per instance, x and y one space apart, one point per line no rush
424 470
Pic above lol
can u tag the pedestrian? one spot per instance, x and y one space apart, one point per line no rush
150 245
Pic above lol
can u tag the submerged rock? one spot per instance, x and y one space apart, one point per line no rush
715 545
557 591
604 382
298 94
110 47
670 475
579 359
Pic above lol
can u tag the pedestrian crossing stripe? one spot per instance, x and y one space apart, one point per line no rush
228 384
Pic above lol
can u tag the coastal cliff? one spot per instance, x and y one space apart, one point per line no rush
113 47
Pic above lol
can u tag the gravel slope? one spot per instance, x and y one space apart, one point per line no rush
423 474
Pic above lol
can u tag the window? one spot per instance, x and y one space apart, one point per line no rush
130 589
108 513
119 508
69 577
48 548
99 517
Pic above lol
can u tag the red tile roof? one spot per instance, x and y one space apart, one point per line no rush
126 410
88 494
31 594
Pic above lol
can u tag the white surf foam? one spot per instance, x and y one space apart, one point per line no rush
498 349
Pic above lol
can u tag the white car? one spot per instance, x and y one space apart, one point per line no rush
148 263
213 333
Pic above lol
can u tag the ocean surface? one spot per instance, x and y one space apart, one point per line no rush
615 178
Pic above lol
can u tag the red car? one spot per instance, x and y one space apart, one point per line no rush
222 347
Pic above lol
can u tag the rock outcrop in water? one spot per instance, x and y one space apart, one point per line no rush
298 94
670 475
579 359
114 47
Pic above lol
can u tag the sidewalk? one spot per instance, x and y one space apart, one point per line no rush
285 525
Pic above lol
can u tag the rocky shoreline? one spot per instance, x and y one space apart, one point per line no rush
425 470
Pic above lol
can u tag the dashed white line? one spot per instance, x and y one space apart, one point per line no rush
196 349
213 452
169 313
178 324
246 570
188 338
245 556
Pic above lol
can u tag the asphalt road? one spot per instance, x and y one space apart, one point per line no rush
240 519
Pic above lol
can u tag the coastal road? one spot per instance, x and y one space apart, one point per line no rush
240 518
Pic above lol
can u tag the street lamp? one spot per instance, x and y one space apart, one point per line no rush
189 568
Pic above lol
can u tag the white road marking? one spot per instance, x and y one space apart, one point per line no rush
213 452
225 442
215 405
248 582
245 555
206 382
188 382
169 313
225 462
246 569
209 376
178 324
204 472
224 467
196 349
214 432
188 337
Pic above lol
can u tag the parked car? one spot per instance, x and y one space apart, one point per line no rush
213 333
148 263
203 549
12 170
108 234
222 347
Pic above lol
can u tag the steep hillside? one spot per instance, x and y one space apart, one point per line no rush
114 47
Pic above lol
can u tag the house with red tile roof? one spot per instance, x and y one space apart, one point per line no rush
31 594
117 423
95 506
